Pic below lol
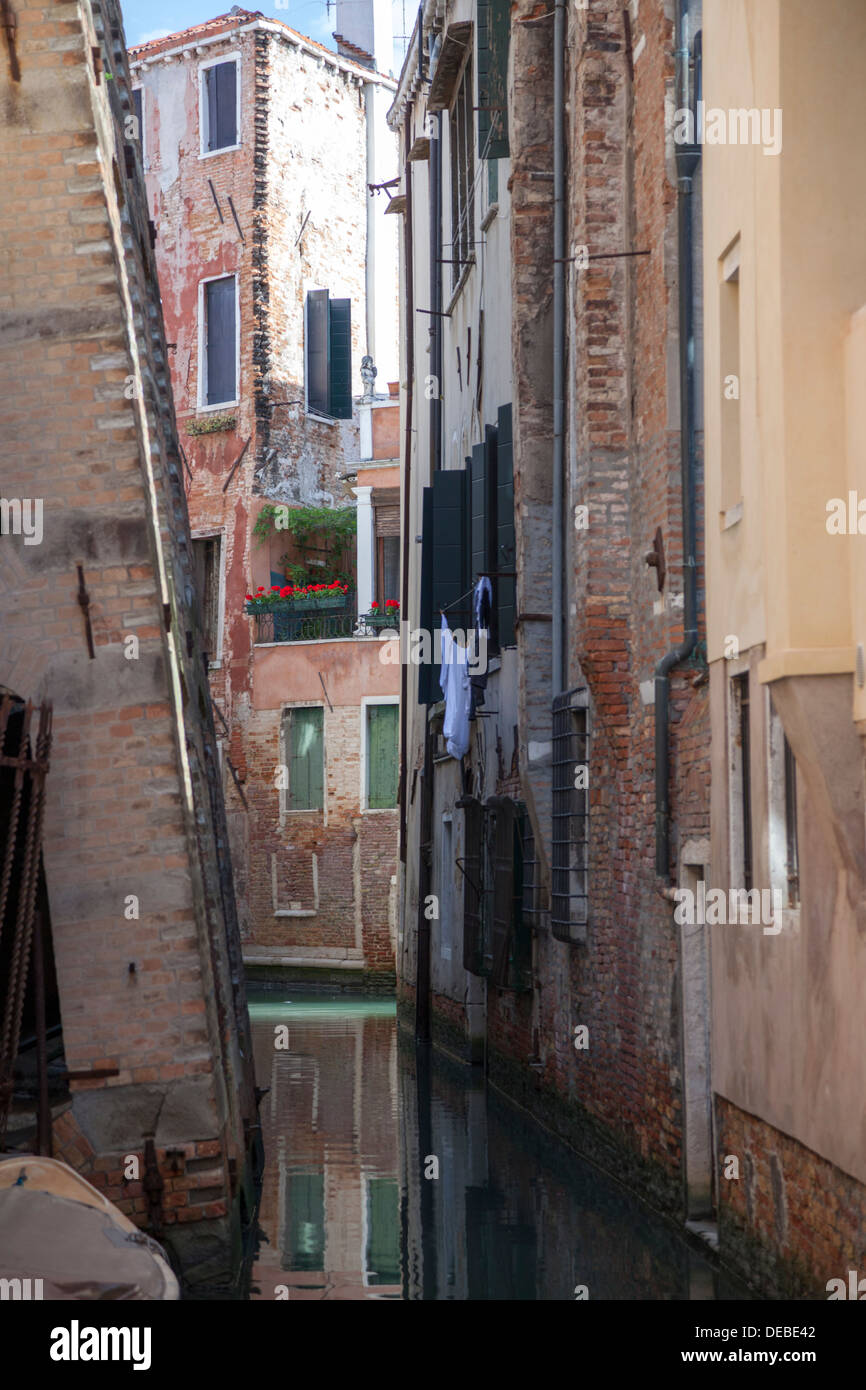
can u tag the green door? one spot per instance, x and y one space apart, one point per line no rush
382 740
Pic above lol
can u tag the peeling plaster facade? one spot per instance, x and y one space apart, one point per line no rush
285 211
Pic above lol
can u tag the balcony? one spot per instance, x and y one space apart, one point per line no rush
317 622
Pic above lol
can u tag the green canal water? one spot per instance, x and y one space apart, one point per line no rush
353 1121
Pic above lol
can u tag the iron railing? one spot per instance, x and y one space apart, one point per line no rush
569 896
314 624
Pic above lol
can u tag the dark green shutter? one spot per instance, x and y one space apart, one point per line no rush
480 514
381 757
449 556
318 333
494 29
221 82
506 550
341 359
425 617
306 760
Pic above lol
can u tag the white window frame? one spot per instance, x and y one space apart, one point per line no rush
366 701
234 57
283 793
201 401
217 533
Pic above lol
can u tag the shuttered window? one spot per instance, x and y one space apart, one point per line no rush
329 355
494 29
506 550
476 959
497 937
382 740
220 342
303 745
220 106
462 147
206 561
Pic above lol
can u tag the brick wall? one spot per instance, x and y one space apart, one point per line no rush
790 1221
133 808
623 445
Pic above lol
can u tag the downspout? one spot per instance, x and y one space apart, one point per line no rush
558 494
687 159
406 480
370 276
436 296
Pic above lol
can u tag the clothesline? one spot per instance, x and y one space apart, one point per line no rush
482 574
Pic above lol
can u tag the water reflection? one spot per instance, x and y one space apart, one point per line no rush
351 1124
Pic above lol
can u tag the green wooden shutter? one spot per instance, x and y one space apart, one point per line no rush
317 336
306 760
425 616
449 581
340 363
480 513
506 550
494 31
382 737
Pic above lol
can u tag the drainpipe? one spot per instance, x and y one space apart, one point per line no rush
558 507
370 277
688 159
435 234
409 301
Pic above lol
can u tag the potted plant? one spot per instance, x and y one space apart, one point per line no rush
383 616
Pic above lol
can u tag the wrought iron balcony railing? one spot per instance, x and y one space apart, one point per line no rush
296 624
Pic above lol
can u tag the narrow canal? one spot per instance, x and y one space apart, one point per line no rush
351 1125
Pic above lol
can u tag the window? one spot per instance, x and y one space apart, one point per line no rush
494 28
219 105
381 741
386 521
328 365
497 940
220 347
206 562
462 150
387 569
741 785
304 756
467 531
784 839
729 349
569 906
138 112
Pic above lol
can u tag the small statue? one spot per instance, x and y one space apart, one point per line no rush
368 376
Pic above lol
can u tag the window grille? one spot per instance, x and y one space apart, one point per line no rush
570 858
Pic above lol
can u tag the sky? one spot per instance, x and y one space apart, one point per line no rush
152 19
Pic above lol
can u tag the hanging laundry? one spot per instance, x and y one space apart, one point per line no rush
482 608
454 680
